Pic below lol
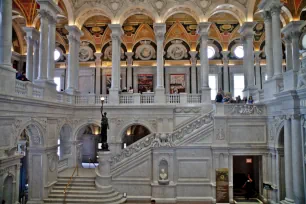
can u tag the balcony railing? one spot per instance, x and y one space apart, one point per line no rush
28 89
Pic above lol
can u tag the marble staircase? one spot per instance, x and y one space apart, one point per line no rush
82 190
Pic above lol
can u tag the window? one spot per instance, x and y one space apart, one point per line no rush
239 52
213 86
210 52
59 147
238 84
57 80
266 77
57 55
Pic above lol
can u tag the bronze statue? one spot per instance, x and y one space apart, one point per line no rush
104 127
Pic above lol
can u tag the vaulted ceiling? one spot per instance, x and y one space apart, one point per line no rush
181 19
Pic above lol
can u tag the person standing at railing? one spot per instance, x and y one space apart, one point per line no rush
219 97
131 90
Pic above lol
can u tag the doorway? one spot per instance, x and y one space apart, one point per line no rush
244 187
133 134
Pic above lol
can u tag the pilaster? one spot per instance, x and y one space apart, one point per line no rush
98 72
129 63
160 30
202 30
117 32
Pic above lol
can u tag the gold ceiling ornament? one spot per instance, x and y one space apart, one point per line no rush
158 5
204 4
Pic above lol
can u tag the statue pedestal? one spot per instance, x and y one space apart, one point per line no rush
104 177
163 182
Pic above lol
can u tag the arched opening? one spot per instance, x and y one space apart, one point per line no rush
31 163
89 136
281 166
8 189
134 133
64 148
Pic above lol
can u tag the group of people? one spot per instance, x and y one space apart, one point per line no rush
21 76
226 98
131 90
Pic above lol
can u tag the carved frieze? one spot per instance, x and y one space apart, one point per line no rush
145 51
85 53
246 110
177 50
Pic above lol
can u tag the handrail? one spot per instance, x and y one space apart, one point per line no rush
92 162
70 180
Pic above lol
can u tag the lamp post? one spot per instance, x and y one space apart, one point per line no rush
104 127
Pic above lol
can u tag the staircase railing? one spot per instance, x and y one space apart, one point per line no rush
76 169
162 139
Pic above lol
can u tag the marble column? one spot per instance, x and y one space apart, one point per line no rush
51 48
226 71
123 77
43 45
288 160
29 65
7 72
98 62
268 45
193 62
117 32
202 30
248 34
160 30
36 59
104 91
73 58
77 64
245 71
277 41
257 69
297 160
291 36
129 63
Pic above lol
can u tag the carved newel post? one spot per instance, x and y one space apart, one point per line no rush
103 171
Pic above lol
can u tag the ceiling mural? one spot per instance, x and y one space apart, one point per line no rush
138 16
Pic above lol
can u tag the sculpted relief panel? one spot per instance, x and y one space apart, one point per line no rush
247 133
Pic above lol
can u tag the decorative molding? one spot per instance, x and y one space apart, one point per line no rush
163 139
85 53
177 50
145 51
52 161
246 110
220 134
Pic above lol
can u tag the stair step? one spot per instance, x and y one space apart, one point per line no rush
78 200
77 179
84 202
72 191
75 187
75 184
84 196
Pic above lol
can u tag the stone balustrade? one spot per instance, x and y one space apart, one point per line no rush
240 109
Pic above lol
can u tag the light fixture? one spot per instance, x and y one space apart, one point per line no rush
102 98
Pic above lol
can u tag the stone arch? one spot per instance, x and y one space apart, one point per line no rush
279 135
62 127
130 11
234 10
35 131
81 125
182 9
87 13
129 124
69 10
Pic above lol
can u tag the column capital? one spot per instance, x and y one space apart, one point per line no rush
225 56
276 8
50 6
160 31
247 29
117 31
98 59
74 33
266 15
98 55
129 59
267 5
293 28
193 57
203 29
31 32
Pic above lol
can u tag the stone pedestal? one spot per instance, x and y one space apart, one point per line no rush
114 97
160 96
206 96
290 80
49 89
104 177
272 87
